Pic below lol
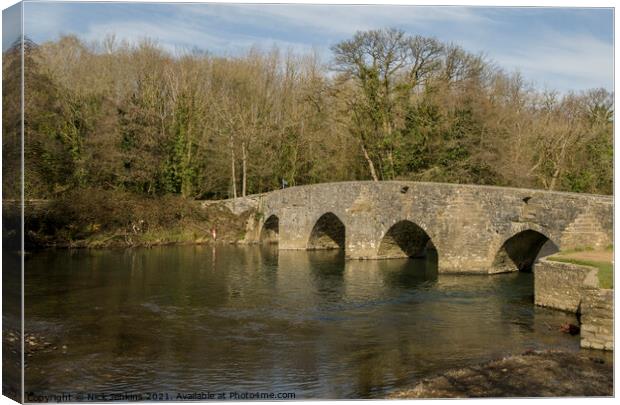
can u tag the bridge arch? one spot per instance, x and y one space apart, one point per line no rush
270 230
328 233
405 239
520 251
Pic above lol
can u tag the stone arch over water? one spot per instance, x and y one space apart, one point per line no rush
270 231
405 239
328 233
519 252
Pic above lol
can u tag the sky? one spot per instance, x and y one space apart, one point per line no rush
555 48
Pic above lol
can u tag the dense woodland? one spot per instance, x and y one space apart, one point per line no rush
387 105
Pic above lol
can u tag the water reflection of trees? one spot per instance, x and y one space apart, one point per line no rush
307 320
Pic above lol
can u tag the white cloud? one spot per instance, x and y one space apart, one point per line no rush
564 61
312 27
340 20
185 37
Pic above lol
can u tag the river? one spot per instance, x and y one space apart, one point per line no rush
187 319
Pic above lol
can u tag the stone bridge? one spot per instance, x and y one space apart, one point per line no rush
473 229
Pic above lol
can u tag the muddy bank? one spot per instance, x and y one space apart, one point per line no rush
531 374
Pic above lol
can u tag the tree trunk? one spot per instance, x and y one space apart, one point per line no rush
554 179
391 162
186 181
233 177
558 165
243 167
371 166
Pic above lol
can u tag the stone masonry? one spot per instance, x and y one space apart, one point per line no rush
562 285
472 228
574 288
597 319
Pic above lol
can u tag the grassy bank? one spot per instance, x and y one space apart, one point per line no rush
600 259
93 218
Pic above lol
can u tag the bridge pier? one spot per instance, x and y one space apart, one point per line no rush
294 230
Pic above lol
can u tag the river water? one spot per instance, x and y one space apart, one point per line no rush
181 320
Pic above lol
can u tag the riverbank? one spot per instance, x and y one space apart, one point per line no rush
116 219
531 374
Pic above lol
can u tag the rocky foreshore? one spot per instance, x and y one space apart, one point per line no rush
530 374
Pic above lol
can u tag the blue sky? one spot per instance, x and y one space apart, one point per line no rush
557 48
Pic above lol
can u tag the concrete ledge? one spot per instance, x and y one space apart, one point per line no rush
561 285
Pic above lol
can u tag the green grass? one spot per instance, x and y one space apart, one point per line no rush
605 269
577 250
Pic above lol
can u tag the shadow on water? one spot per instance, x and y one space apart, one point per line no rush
409 273
269 254
327 271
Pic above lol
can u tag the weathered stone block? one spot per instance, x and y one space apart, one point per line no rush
561 285
597 319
